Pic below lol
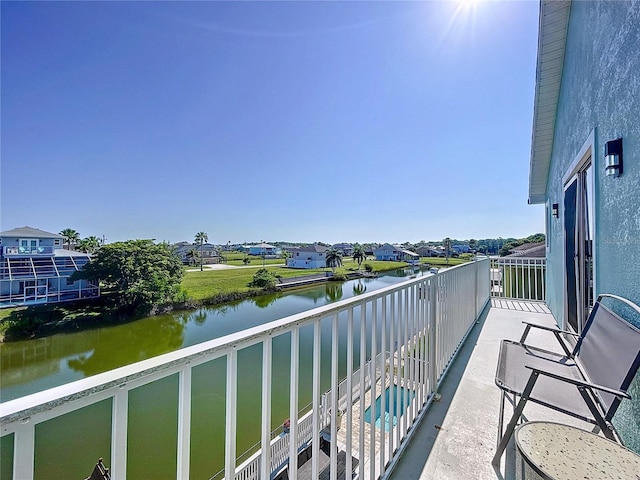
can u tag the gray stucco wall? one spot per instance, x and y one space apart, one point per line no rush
600 92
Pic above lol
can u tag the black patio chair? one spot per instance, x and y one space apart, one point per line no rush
588 382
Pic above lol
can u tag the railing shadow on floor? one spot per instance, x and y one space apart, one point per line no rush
430 426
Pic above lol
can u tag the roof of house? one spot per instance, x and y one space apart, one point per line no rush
408 252
262 245
552 37
536 250
30 232
526 246
399 248
61 252
185 247
313 248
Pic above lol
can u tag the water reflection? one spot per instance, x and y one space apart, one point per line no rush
154 339
263 301
359 288
333 291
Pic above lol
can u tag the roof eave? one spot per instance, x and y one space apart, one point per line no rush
552 36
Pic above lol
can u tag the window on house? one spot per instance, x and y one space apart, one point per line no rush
29 244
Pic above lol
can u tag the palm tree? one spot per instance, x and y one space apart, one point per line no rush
89 245
193 255
358 254
447 248
333 259
201 238
71 237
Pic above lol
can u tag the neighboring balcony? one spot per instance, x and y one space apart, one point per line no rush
27 251
383 356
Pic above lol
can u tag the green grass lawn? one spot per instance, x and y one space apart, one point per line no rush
200 285
5 312
442 262
236 258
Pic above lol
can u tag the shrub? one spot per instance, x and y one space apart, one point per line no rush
141 273
338 277
368 267
246 260
263 278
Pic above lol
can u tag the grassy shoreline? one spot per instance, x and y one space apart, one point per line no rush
209 287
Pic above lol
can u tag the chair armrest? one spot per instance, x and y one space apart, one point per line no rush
580 383
551 329
556 332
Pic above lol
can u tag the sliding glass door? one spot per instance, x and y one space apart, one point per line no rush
578 247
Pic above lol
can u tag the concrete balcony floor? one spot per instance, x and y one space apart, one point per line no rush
457 437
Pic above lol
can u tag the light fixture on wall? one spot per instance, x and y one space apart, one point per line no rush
613 157
554 210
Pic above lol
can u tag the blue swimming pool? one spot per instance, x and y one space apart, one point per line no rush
405 398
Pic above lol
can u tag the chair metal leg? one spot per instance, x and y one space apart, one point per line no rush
514 419
501 418
600 422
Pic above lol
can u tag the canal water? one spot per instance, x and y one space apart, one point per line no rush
66 447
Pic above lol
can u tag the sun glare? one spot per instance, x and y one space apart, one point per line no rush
462 20
467 5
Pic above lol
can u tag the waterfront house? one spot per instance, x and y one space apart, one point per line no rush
266 250
209 252
460 248
395 253
429 251
35 268
312 256
346 249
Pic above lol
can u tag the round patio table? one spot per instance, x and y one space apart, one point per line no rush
552 451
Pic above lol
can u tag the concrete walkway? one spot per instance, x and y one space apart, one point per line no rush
457 438
224 266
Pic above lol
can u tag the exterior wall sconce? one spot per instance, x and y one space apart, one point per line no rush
613 158
554 211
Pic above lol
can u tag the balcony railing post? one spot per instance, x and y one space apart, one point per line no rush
372 430
24 451
383 380
184 422
392 369
267 351
399 369
349 446
363 361
230 414
433 296
120 418
334 398
293 404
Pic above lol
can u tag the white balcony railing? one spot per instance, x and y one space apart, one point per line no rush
518 277
411 330
28 251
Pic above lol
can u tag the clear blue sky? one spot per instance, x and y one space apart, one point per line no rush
333 121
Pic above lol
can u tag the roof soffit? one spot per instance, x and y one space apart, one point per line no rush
552 34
